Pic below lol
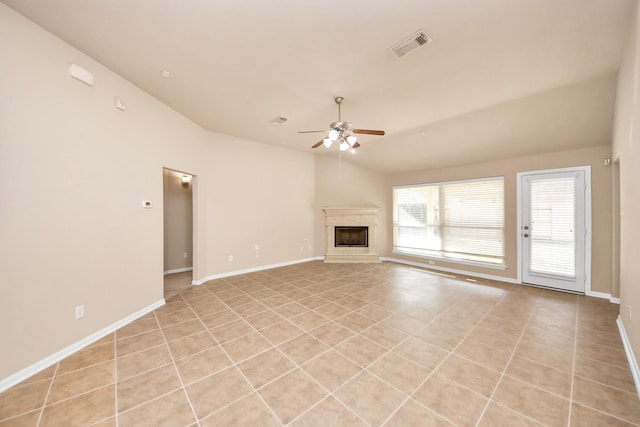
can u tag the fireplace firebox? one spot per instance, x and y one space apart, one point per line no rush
352 237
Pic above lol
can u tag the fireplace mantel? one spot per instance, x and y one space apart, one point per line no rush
338 216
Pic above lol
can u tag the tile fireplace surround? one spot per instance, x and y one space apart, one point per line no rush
366 216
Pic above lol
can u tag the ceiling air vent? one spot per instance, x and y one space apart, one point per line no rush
278 120
409 44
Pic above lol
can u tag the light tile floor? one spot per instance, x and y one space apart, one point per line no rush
176 283
345 345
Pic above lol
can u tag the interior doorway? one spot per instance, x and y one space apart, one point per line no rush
555 228
178 231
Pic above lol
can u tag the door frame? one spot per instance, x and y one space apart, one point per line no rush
587 219
195 265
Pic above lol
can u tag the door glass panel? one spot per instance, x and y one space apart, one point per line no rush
552 235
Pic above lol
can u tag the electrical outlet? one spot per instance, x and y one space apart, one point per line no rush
230 258
185 254
257 254
301 248
80 312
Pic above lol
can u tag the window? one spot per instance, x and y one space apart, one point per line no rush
457 221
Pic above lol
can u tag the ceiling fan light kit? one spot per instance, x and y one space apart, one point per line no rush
343 132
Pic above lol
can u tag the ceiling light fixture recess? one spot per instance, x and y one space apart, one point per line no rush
409 44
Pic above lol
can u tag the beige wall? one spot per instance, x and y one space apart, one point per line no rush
178 221
73 173
340 183
601 182
626 150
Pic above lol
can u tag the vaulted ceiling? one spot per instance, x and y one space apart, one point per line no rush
500 78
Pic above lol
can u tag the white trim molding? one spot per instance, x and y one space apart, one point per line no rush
253 270
602 295
633 364
43 364
456 261
178 270
590 293
451 270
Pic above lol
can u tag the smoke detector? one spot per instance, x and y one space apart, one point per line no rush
409 44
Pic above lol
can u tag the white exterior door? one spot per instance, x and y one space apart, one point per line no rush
554 229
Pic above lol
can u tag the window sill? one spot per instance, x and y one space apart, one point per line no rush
453 261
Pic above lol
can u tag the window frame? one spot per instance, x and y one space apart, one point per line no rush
442 256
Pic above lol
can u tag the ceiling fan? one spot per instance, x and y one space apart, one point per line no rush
342 132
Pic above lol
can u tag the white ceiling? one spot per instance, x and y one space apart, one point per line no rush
501 78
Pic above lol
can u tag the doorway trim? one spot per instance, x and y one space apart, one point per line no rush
195 268
587 221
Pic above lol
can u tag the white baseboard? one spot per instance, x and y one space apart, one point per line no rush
450 270
633 364
178 270
253 270
603 295
598 295
594 294
29 371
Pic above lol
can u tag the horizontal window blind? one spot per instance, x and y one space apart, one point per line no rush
461 220
553 218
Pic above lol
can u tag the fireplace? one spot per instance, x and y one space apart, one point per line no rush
351 234
351 237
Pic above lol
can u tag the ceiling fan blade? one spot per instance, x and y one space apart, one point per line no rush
317 144
311 131
356 145
368 132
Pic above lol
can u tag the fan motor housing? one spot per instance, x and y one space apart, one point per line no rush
341 126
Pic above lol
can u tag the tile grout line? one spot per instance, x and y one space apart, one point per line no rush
115 373
175 367
243 290
356 333
616 416
573 363
233 364
298 366
329 392
391 349
512 354
444 359
44 403
504 370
